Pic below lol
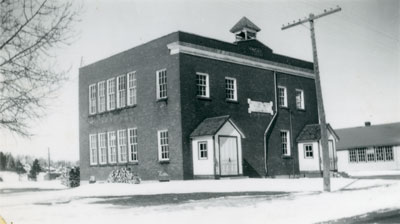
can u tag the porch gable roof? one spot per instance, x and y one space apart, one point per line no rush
312 132
210 126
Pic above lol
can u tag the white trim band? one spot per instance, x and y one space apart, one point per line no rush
196 50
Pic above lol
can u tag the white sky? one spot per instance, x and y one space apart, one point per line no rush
358 49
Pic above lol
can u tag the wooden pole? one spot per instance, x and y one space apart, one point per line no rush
320 103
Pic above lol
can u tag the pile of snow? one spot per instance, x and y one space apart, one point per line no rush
8 176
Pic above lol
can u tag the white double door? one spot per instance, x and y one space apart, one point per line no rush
228 150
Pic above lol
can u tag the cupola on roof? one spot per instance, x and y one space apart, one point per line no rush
245 29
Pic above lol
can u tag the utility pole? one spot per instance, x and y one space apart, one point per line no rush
48 158
320 103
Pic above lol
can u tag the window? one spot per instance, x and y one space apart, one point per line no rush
353 155
308 151
370 155
101 87
299 99
111 94
282 96
93 149
163 148
133 145
122 151
162 84
380 154
230 88
131 88
102 148
121 91
388 153
92 99
203 153
202 85
112 150
362 155
285 142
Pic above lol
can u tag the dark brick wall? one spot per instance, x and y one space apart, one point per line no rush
148 116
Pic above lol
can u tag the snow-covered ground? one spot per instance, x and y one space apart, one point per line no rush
305 202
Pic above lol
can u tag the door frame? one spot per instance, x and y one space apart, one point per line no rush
237 153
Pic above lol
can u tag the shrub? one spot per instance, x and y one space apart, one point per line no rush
70 177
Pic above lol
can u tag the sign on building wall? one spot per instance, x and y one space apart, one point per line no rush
260 107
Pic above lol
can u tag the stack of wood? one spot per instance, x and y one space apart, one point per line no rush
70 177
123 175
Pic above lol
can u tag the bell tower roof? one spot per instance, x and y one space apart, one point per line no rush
245 29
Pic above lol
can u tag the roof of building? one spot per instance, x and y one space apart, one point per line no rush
366 136
312 132
244 23
210 126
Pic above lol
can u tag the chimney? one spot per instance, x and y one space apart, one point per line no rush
367 123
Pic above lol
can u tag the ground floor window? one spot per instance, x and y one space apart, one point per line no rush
308 151
203 151
285 142
122 151
102 148
93 149
376 154
133 145
112 149
163 147
353 155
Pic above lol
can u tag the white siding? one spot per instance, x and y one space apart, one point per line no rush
203 166
309 164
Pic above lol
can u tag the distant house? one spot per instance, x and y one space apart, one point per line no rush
310 150
371 147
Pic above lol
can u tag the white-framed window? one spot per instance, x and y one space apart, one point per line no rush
102 148
122 149
92 99
353 155
362 154
93 149
202 84
285 142
101 91
308 151
300 99
112 147
230 89
388 153
131 76
163 147
380 153
121 91
111 94
370 155
133 145
282 96
203 150
162 84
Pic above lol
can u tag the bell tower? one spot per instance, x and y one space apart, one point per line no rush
245 30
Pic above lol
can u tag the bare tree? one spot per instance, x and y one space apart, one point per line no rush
29 31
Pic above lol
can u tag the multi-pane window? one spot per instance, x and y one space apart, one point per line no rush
362 155
162 84
308 151
285 143
121 91
380 153
92 99
102 148
101 91
203 152
282 96
353 155
230 88
112 147
388 153
133 145
131 88
299 99
122 150
93 149
370 154
111 94
202 85
163 148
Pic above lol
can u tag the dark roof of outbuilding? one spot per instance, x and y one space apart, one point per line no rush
366 136
209 126
312 132
244 23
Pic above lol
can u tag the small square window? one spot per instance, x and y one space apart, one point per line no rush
203 150
308 151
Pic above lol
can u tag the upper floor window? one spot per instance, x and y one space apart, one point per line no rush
121 91
101 89
282 96
299 99
308 151
92 99
122 150
111 94
112 149
131 88
93 149
163 147
230 88
202 84
102 148
133 145
285 142
203 152
162 84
